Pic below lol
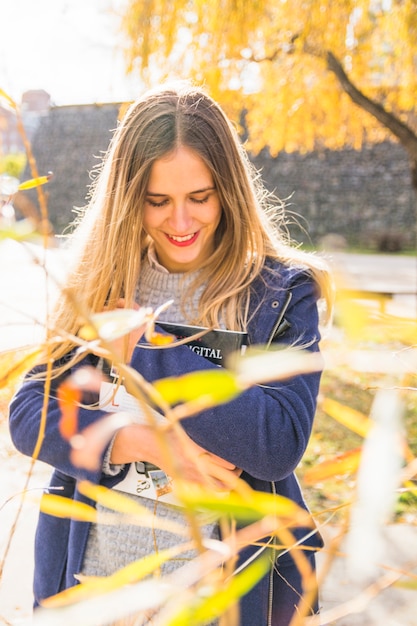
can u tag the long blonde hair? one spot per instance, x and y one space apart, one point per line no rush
109 240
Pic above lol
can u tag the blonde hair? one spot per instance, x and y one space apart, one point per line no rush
110 241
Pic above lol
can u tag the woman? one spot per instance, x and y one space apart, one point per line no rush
178 214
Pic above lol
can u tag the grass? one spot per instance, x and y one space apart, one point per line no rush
330 438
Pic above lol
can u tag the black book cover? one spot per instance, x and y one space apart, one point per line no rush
215 344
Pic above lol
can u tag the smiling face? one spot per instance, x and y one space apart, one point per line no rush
182 210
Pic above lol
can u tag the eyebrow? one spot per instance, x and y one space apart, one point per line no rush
163 195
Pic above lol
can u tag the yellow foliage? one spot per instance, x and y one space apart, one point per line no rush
15 363
35 182
4 96
356 421
206 606
211 386
66 507
248 506
269 58
339 465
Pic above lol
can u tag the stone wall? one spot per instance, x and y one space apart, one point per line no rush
360 195
70 142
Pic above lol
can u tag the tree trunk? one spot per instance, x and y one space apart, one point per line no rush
406 136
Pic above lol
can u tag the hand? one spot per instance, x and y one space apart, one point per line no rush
185 459
196 464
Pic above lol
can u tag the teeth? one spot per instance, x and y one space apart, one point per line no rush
180 239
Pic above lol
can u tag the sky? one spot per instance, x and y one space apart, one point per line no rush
70 48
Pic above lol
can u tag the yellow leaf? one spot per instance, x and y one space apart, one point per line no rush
353 316
356 421
12 366
69 397
346 463
9 100
258 365
35 182
158 339
410 584
212 603
65 507
110 325
137 514
216 386
19 231
111 499
134 572
245 507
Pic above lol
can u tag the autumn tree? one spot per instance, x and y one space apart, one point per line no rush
309 73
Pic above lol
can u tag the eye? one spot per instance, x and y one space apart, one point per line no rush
200 200
155 204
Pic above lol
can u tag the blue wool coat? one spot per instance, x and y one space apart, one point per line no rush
264 431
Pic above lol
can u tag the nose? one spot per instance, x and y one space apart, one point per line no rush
180 219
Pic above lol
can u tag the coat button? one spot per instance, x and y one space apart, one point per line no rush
275 304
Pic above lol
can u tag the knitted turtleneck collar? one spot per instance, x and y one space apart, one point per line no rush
156 286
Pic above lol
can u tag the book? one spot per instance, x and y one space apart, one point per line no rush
215 344
148 481
143 479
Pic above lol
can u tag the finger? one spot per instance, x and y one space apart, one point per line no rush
221 462
220 474
201 452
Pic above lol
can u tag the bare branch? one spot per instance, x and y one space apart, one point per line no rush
404 133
